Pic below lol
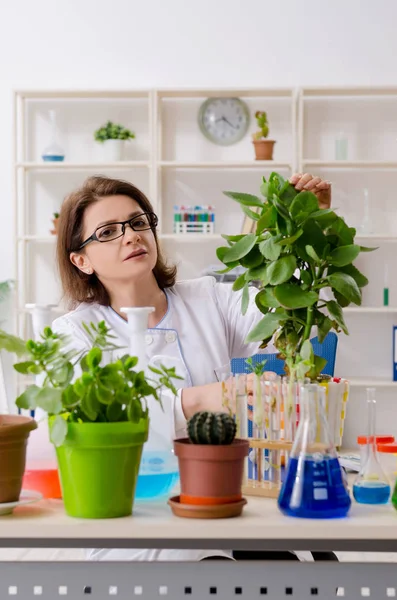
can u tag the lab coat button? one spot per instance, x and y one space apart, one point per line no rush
170 337
148 339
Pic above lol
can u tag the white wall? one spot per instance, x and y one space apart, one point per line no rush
185 43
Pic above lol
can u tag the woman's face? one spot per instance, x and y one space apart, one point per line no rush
128 258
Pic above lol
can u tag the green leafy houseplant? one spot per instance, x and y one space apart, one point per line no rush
111 393
111 131
297 251
261 119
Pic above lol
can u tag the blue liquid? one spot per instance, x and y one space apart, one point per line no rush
53 157
371 492
155 486
319 494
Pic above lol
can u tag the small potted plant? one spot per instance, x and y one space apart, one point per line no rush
113 137
211 467
297 251
263 146
98 422
55 222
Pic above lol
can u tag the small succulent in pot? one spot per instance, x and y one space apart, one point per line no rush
211 428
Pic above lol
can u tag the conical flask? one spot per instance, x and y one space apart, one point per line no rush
371 485
314 485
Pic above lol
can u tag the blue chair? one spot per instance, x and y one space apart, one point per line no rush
326 350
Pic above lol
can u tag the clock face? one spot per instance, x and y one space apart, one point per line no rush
224 121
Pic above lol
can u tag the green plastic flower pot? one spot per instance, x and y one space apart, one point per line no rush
98 467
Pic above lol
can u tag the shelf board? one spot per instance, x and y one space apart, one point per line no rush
37 238
254 164
76 166
191 237
81 94
384 237
350 164
370 309
349 92
379 383
226 93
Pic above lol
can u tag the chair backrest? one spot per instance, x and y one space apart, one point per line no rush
327 350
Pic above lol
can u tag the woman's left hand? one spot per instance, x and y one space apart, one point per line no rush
319 187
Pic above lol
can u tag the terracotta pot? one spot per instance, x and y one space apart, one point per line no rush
14 433
263 149
210 475
55 224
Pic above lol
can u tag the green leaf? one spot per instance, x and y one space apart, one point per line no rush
344 255
366 249
58 430
304 204
324 216
50 400
103 394
27 399
319 364
253 259
351 270
281 270
64 375
114 412
89 403
258 274
250 213
35 370
239 282
288 193
307 351
232 238
336 313
94 357
134 411
267 220
290 240
265 328
69 398
343 232
13 344
267 298
270 249
324 326
23 367
292 296
264 189
313 254
245 299
245 199
345 285
240 248
306 279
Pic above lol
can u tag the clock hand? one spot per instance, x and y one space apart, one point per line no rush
228 122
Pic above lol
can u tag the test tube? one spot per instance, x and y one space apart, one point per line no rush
274 429
242 414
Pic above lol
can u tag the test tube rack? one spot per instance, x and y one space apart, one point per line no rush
267 488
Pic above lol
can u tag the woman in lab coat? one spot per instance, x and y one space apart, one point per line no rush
108 258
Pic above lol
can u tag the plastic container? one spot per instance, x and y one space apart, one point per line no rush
388 457
362 442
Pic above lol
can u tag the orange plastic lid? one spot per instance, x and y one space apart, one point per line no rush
390 448
380 439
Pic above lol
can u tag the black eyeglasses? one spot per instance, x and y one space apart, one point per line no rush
112 231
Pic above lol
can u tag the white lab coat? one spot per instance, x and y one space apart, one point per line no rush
201 331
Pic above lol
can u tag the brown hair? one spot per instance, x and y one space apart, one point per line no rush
78 286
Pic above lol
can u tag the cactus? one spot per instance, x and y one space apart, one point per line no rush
211 428
261 119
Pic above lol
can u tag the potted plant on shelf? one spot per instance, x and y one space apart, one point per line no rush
211 467
98 421
55 222
112 137
296 252
263 147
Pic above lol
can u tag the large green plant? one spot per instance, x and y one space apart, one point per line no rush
109 393
297 251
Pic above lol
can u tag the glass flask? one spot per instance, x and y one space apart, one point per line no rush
53 152
314 486
371 485
158 471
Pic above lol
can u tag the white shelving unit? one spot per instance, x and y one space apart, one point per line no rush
176 165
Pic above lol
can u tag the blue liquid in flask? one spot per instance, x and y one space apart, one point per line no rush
317 493
158 474
371 492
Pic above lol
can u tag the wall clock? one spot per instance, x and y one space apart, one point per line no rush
224 121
